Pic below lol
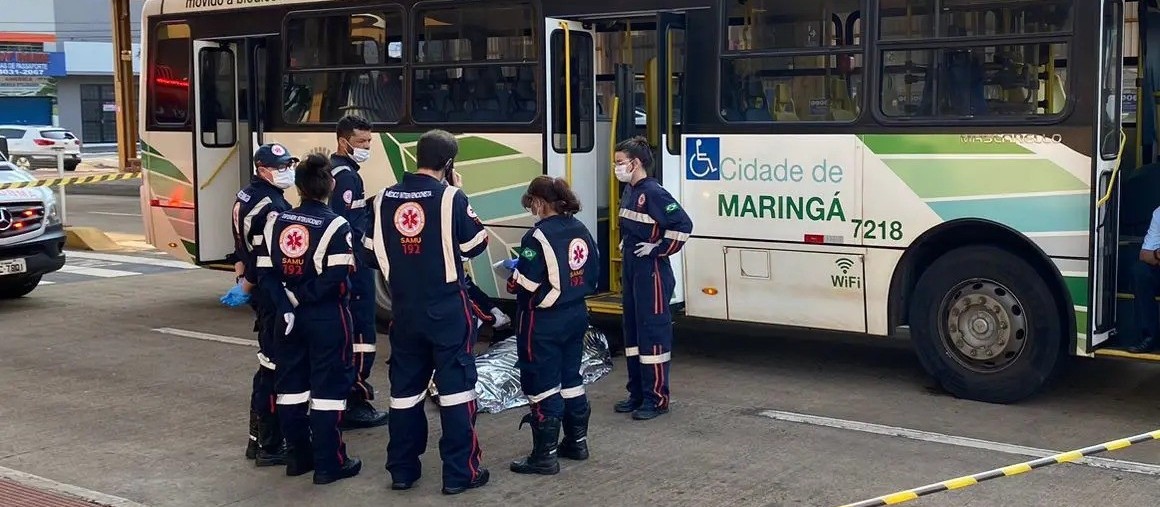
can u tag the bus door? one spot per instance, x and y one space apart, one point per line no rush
664 83
1108 153
215 147
570 114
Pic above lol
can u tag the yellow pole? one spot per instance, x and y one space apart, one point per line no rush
126 115
567 101
614 206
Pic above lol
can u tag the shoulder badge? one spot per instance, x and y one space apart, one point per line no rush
529 254
672 207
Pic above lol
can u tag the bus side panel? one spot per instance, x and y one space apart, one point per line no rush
496 169
167 167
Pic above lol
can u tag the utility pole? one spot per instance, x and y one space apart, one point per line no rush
123 84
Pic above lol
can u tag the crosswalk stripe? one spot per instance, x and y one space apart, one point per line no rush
46 282
97 272
128 259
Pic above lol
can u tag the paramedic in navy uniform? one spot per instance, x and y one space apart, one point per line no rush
419 231
558 267
652 227
307 273
348 201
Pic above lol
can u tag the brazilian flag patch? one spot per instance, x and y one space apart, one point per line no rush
672 207
529 254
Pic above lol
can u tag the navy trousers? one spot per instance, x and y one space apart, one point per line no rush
362 305
262 391
551 346
648 328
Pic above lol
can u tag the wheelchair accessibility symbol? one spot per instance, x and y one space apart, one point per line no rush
704 158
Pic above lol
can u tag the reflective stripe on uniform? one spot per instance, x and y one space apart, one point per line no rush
265 362
446 208
339 260
293 299
536 398
324 242
364 348
341 168
677 236
525 282
408 402
474 242
358 203
631 351
553 266
377 246
263 261
293 398
657 359
256 241
450 400
572 392
327 405
636 216
248 221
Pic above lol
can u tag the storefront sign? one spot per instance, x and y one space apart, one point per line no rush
22 86
19 63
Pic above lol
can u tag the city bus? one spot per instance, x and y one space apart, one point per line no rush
954 172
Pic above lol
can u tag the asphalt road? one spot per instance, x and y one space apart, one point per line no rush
95 397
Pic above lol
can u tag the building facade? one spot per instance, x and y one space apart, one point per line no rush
56 65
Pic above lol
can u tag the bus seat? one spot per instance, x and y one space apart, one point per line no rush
756 102
842 107
487 99
366 97
965 89
1058 95
457 98
783 105
524 96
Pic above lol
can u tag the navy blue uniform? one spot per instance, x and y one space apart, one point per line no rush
557 269
348 200
649 214
419 231
310 261
251 208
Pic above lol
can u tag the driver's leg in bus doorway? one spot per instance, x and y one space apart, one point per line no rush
360 413
266 443
1146 286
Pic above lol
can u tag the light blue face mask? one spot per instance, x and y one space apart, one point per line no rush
284 178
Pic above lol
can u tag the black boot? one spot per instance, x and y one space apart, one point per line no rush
350 468
271 448
542 460
626 406
252 445
1146 345
575 443
299 458
479 482
649 411
361 414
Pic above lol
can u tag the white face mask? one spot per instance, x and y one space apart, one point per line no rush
284 178
360 155
623 173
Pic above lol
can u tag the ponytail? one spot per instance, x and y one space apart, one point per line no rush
555 192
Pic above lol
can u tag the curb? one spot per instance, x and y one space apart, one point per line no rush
89 238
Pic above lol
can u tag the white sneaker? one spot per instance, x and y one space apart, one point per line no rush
501 318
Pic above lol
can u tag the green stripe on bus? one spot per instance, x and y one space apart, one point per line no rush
956 178
475 148
407 137
1081 322
934 144
394 156
155 163
1055 213
498 204
486 176
1077 286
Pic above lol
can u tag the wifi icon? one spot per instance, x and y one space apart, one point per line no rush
844 264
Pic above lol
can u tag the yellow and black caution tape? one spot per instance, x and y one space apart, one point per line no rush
76 180
1007 471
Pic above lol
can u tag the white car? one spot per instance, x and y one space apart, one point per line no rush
36 147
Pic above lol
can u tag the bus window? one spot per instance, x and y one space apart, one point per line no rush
366 45
926 74
912 19
218 93
493 52
762 80
169 83
1112 54
582 113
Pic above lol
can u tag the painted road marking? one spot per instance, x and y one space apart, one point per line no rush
113 213
940 438
130 259
97 272
206 336
35 481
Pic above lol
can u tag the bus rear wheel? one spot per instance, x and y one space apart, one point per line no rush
985 325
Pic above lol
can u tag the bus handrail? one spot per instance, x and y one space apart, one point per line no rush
1115 170
614 201
567 101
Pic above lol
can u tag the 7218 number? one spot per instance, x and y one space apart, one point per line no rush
881 229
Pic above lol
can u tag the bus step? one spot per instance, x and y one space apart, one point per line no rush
608 303
1128 355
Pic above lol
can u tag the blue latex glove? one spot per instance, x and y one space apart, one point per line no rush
504 268
235 297
511 264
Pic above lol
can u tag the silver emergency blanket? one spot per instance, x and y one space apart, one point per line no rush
498 387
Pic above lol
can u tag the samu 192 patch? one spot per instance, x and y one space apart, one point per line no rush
529 254
672 207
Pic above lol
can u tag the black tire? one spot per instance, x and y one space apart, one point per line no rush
1013 364
18 288
71 164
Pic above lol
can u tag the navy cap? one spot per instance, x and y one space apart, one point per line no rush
273 155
